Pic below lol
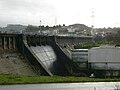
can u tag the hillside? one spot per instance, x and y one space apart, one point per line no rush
80 29
80 26
13 28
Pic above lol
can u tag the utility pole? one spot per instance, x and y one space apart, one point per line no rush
92 30
40 28
92 16
55 21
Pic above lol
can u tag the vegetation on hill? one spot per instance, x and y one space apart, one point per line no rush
107 34
107 39
80 27
86 45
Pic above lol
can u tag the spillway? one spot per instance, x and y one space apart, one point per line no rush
49 58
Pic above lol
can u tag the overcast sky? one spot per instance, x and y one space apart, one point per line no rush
51 12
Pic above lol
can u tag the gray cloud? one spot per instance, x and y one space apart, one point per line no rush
23 4
24 11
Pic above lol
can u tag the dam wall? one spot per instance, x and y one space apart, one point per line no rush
42 55
7 41
47 53
11 60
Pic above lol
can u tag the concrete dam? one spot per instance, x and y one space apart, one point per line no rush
36 54
11 60
47 55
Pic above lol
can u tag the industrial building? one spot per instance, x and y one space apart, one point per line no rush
102 61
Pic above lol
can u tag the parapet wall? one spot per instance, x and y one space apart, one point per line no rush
70 40
39 40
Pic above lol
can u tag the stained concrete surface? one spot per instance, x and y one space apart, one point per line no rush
12 62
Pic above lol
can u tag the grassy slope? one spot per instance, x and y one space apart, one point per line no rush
15 79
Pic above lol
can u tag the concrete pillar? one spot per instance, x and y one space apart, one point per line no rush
3 42
40 40
45 40
28 40
14 43
9 43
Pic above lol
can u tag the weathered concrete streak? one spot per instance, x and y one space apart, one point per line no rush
58 65
38 61
25 49
12 62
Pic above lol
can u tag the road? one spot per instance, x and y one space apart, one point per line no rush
64 86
